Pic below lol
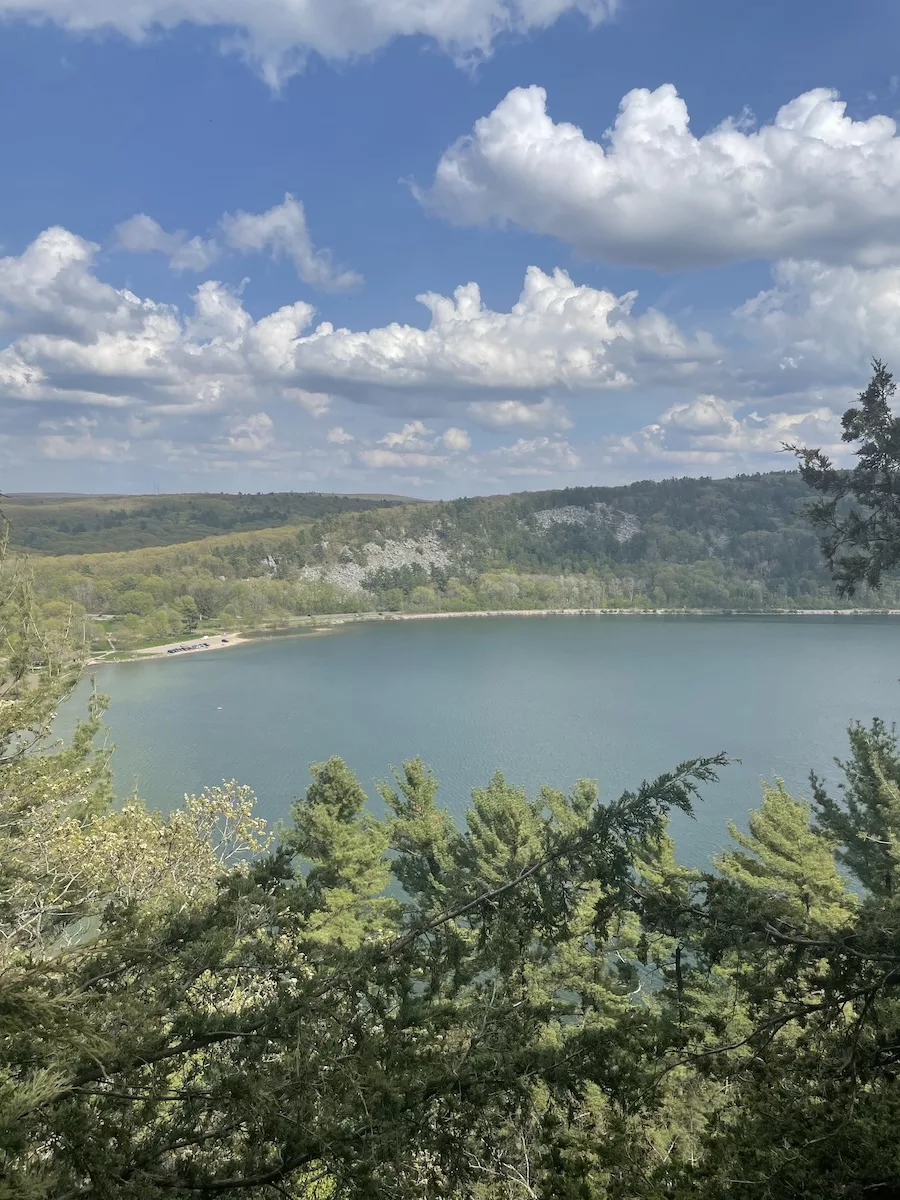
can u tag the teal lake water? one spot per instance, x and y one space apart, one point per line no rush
616 699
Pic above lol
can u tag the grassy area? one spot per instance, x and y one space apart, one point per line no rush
62 525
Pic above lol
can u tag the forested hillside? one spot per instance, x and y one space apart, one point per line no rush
54 524
691 543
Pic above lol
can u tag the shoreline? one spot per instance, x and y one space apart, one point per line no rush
199 645
628 612
325 622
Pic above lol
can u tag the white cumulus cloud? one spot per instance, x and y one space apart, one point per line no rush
414 447
142 371
73 337
316 404
558 334
508 414
813 183
76 339
84 447
535 457
250 434
140 234
339 436
709 432
50 289
283 231
400 459
820 324
456 440
413 435
276 36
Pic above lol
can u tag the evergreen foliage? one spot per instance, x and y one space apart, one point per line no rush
791 862
858 514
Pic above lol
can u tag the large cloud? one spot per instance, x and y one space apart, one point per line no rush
558 335
50 289
83 341
98 373
76 338
708 432
818 326
812 184
277 35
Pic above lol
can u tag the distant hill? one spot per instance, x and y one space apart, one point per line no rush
715 544
49 523
704 543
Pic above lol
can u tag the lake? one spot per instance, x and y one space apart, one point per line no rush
551 700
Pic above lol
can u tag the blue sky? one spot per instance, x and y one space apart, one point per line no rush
214 237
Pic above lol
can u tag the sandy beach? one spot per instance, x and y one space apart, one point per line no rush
187 646
328 621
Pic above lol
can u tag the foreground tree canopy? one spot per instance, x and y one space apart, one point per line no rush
541 1003
858 512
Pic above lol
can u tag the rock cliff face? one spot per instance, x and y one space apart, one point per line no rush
352 575
623 526
680 543
354 568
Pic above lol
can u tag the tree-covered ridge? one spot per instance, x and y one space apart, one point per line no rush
690 543
94 524
749 525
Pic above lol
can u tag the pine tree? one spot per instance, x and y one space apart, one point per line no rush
864 818
790 864
345 848
859 513
423 836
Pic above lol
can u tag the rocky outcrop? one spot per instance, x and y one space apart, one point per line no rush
623 526
353 575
